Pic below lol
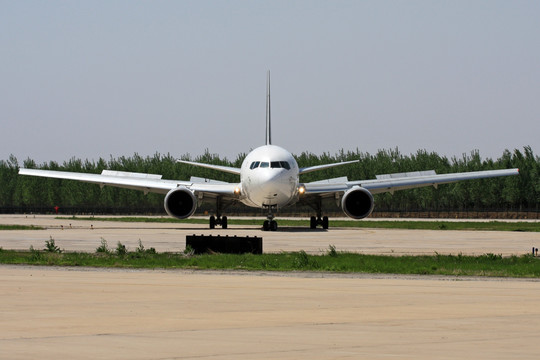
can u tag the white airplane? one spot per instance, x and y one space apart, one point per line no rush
269 179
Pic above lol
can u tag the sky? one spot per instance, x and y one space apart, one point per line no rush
91 79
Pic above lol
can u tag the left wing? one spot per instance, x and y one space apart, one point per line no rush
138 181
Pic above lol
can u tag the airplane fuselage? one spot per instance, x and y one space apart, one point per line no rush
269 177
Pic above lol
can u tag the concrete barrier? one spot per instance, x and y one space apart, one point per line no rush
202 244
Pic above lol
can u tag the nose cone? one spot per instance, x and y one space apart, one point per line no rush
273 187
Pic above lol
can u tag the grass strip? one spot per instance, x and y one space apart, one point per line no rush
378 224
20 227
490 265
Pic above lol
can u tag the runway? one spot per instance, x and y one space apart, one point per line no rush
82 235
52 313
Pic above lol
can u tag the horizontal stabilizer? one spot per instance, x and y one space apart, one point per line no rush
130 174
199 180
406 175
228 169
339 180
325 166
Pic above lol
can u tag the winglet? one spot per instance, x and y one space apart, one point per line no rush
268 129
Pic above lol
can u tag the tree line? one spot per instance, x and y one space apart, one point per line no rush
515 192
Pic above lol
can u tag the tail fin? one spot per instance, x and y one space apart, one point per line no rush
268 128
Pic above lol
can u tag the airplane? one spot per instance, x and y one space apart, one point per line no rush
269 179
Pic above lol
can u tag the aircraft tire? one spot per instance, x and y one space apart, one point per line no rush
212 222
313 222
325 222
224 222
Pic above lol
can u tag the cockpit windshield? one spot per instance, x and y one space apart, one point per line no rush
273 165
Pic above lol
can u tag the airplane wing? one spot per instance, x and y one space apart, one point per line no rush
138 181
393 182
401 181
356 197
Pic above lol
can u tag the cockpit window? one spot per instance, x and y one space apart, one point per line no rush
273 165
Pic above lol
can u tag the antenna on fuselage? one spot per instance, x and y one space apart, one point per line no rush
268 129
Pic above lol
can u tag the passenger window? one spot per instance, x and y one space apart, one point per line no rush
275 165
285 165
265 164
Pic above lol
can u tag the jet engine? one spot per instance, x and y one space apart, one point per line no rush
180 203
357 203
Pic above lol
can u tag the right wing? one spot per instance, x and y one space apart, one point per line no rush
356 199
401 181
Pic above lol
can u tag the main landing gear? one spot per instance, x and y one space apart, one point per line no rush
314 221
319 219
220 220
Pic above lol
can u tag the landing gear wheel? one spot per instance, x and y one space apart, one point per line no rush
316 221
266 225
273 225
218 221
224 222
313 222
325 222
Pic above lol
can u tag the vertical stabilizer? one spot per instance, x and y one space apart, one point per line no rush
268 127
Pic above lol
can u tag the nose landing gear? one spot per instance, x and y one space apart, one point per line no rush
270 223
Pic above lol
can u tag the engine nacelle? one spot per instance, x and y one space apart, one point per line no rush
180 203
357 203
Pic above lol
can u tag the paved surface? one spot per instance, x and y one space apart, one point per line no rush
86 236
72 313
50 313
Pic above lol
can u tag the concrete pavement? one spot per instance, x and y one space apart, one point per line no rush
74 313
81 235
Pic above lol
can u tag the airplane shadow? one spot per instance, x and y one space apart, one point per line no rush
285 229
299 229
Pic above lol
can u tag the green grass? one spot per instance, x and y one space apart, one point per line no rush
491 265
380 224
20 227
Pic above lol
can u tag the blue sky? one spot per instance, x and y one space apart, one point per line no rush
92 79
